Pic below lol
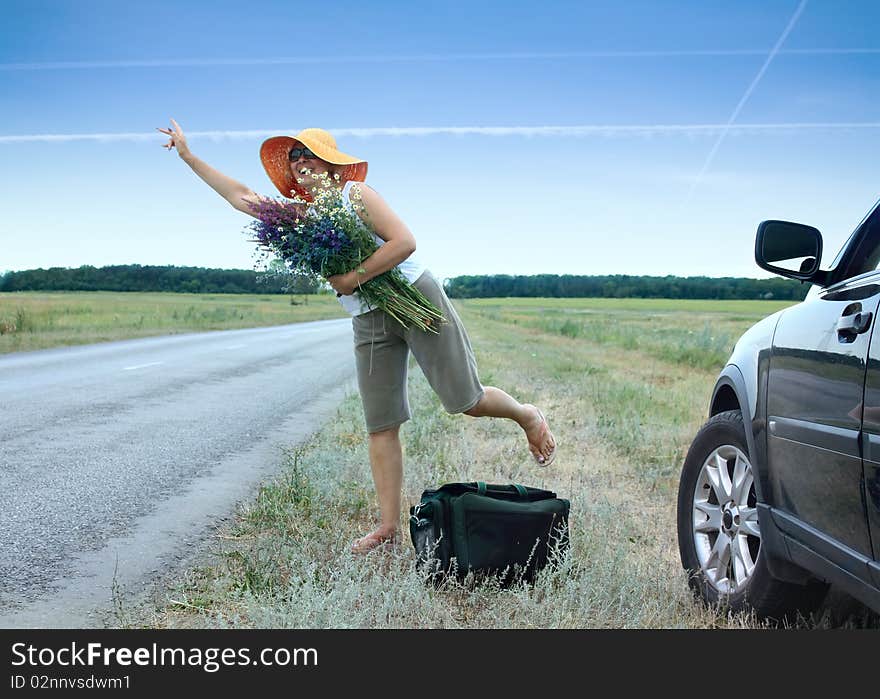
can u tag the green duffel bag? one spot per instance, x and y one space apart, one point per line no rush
509 531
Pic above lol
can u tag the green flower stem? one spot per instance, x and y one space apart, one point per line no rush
389 291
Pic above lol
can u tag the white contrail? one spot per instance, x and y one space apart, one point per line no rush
418 58
131 136
745 97
606 130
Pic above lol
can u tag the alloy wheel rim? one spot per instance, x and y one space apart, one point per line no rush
725 520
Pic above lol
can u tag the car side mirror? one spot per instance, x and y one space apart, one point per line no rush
788 249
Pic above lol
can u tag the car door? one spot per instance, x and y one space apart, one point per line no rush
815 393
871 449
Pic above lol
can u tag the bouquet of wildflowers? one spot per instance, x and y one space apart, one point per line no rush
322 238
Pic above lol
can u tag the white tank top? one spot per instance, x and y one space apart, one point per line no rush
411 268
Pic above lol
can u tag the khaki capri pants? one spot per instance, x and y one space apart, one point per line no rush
382 347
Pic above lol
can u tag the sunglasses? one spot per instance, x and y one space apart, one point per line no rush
295 154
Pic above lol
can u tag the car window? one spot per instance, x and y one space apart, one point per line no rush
861 253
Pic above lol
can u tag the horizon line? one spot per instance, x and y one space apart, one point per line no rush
487 274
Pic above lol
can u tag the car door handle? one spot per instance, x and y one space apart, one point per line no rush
853 324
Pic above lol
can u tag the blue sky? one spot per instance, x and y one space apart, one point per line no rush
592 138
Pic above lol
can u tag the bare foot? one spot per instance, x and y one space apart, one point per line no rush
382 535
542 444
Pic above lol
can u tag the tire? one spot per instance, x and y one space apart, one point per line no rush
719 536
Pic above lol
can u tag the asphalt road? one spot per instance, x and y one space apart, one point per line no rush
118 459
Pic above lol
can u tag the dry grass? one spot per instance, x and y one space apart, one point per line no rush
39 320
623 418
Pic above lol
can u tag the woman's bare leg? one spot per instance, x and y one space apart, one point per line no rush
497 403
386 463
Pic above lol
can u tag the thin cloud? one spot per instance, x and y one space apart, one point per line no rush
603 130
417 58
130 136
748 93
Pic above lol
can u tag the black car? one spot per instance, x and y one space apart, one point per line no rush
780 491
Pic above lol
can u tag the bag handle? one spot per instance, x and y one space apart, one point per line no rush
521 489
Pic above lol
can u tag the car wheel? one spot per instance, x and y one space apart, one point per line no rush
719 535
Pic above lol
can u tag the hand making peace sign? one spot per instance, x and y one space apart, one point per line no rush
178 140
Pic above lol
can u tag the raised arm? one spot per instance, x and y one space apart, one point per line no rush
237 194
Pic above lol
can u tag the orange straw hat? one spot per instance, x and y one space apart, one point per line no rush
275 154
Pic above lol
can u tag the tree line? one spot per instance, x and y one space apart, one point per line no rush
199 280
624 286
275 281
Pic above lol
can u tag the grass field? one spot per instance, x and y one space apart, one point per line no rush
38 320
625 385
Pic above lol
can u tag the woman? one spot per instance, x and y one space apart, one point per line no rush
298 165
